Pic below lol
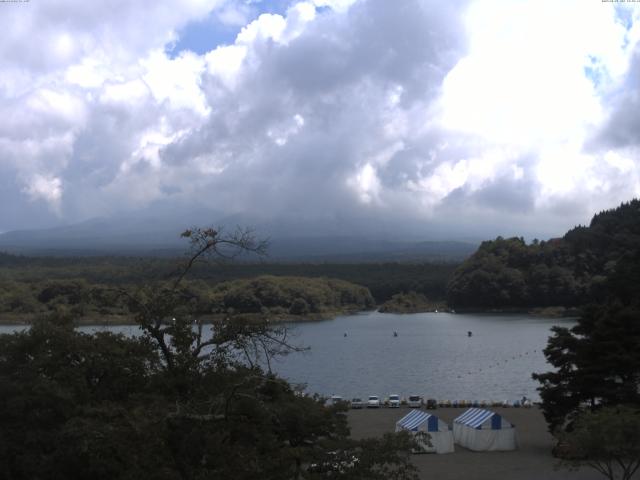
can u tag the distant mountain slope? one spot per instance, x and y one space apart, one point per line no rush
567 271
366 249
151 236
96 234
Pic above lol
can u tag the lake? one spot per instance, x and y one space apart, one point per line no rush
432 355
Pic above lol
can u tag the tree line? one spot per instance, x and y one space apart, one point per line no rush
567 271
265 295
84 287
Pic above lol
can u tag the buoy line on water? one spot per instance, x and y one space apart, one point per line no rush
489 367
499 363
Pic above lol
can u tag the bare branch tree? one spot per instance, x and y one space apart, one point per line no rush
163 314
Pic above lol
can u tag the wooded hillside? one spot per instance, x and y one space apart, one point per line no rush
567 271
267 295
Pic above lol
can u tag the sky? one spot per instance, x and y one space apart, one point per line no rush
440 119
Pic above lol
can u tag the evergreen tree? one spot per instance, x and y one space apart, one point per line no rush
597 362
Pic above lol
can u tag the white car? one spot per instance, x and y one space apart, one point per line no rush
373 401
414 401
335 399
394 401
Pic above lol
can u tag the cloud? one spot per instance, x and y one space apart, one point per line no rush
86 91
47 188
318 102
463 115
537 82
622 127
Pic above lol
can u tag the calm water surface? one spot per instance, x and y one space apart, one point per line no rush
431 356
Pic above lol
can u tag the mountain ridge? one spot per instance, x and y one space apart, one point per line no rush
153 236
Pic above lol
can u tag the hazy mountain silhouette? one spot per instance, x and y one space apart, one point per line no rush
290 239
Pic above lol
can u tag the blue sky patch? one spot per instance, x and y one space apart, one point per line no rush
205 35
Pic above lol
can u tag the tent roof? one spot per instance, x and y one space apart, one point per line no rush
474 417
414 419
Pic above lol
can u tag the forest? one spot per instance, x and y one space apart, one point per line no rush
87 287
275 297
567 271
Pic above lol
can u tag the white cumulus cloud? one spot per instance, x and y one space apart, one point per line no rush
475 115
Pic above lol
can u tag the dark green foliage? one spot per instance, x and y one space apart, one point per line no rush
410 302
54 382
510 273
259 295
591 400
295 295
95 275
299 307
568 271
597 362
607 440
83 287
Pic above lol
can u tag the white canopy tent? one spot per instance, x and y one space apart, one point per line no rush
431 433
483 430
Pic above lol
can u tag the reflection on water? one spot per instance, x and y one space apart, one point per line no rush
432 355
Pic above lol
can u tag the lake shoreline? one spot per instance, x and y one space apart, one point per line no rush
207 319
544 312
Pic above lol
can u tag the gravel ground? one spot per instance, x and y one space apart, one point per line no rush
532 460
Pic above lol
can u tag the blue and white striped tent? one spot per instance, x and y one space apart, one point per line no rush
431 433
481 430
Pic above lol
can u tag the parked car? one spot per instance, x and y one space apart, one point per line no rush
357 403
373 402
414 401
394 401
432 404
335 399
